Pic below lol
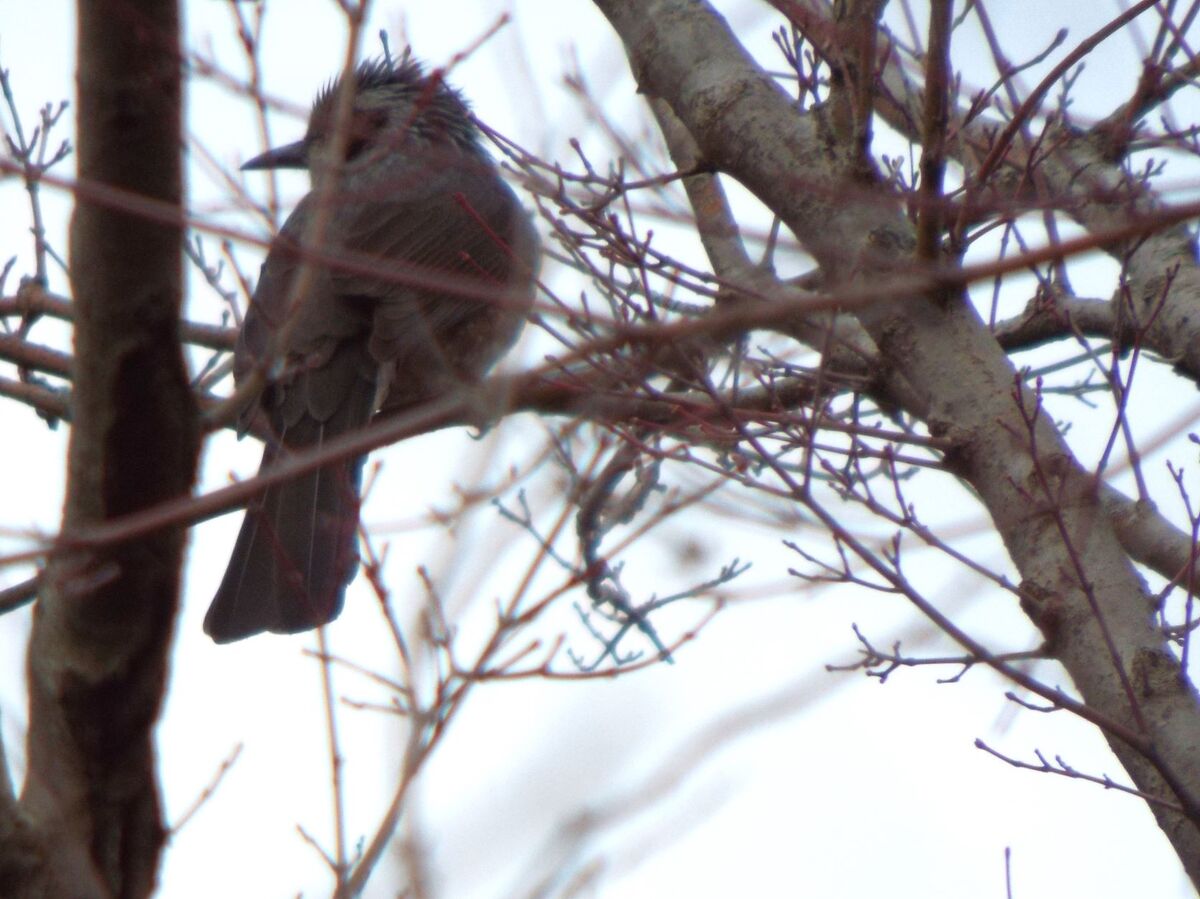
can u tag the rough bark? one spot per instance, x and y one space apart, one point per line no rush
89 820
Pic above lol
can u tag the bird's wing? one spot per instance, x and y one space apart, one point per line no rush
450 254
463 226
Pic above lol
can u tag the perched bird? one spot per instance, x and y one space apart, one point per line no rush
415 193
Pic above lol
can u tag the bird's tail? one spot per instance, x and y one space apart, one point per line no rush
294 556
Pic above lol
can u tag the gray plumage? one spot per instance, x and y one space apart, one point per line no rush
416 194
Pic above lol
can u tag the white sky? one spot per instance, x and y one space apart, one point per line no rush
842 789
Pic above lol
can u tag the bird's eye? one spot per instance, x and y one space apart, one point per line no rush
364 130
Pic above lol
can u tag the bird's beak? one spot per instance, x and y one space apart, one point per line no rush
292 156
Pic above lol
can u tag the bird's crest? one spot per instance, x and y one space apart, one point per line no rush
434 110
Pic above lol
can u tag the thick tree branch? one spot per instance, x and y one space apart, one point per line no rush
1161 270
1089 602
101 633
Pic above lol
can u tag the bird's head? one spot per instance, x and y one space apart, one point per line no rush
396 108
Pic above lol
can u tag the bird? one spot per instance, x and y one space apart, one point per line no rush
453 259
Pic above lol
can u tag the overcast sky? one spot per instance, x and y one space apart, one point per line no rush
808 783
